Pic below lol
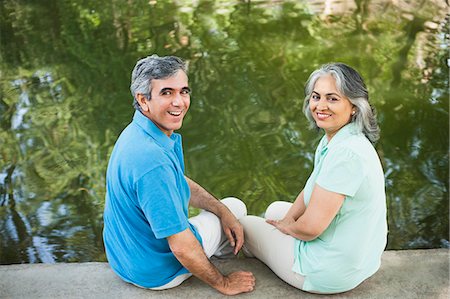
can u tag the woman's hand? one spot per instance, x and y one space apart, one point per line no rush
282 225
323 207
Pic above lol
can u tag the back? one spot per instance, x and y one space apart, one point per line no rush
349 250
147 200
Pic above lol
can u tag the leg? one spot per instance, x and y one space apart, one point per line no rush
272 247
210 228
213 237
173 283
277 210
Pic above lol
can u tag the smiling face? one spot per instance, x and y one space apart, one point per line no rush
169 102
330 109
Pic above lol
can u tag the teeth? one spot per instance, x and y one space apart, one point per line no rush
322 115
175 113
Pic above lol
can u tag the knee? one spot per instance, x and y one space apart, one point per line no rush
252 223
236 206
277 210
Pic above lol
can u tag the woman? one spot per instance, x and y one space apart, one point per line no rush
332 237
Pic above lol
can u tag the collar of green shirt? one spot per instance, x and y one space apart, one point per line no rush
346 131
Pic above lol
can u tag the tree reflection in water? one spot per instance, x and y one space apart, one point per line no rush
64 99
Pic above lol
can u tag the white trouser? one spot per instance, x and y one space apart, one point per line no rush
271 246
214 240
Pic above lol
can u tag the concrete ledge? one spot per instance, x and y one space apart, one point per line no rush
403 274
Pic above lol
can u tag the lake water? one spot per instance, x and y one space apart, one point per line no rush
64 98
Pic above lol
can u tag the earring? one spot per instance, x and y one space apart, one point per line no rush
353 112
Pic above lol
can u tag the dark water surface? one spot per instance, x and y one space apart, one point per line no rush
64 98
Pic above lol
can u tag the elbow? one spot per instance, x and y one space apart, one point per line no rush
309 232
179 249
179 244
308 236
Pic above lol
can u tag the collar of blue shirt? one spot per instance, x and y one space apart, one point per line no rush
151 129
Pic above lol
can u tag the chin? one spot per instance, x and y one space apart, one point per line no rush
177 127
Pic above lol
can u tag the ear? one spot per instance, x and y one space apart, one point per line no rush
142 101
354 109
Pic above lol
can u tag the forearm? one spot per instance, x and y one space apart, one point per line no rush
297 209
323 207
301 230
190 254
202 199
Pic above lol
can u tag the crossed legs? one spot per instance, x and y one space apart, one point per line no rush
271 246
214 241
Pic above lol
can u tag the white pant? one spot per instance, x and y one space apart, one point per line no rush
214 239
271 246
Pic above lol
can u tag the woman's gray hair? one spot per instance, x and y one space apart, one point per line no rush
350 83
149 68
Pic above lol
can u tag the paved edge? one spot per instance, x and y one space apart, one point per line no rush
403 274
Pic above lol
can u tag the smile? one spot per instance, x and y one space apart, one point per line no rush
174 113
322 116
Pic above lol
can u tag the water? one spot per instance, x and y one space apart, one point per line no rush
65 69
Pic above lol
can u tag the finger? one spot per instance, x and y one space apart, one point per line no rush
239 235
272 222
230 236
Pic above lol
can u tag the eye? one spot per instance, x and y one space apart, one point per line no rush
166 93
185 92
332 99
315 97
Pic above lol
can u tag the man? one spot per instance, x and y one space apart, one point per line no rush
148 237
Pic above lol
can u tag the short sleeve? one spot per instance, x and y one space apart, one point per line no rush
161 202
343 171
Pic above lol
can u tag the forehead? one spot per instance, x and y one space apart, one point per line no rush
176 81
325 82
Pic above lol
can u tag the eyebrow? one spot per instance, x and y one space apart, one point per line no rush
328 94
171 89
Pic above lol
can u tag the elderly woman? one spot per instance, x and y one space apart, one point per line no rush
332 237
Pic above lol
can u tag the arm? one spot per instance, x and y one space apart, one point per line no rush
322 208
189 252
297 209
200 198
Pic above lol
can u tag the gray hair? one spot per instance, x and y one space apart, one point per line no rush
150 68
350 83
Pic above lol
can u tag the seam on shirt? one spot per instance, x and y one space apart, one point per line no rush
152 169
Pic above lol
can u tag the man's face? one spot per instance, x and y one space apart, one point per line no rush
170 100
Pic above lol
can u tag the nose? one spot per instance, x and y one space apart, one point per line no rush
177 100
322 104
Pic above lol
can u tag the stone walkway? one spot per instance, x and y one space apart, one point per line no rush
403 274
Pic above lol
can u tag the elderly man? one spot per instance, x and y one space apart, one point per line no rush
149 239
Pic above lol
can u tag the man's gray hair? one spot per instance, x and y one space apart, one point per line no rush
149 68
350 83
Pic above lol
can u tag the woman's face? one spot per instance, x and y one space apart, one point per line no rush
330 109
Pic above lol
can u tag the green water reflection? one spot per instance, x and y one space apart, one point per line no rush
65 68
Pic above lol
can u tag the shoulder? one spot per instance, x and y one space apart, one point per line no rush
350 157
138 152
355 146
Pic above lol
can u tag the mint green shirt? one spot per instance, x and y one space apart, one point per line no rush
349 250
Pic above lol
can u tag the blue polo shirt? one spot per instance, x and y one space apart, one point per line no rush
147 199
349 250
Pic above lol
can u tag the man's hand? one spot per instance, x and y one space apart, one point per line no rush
282 225
189 253
200 198
237 282
233 230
